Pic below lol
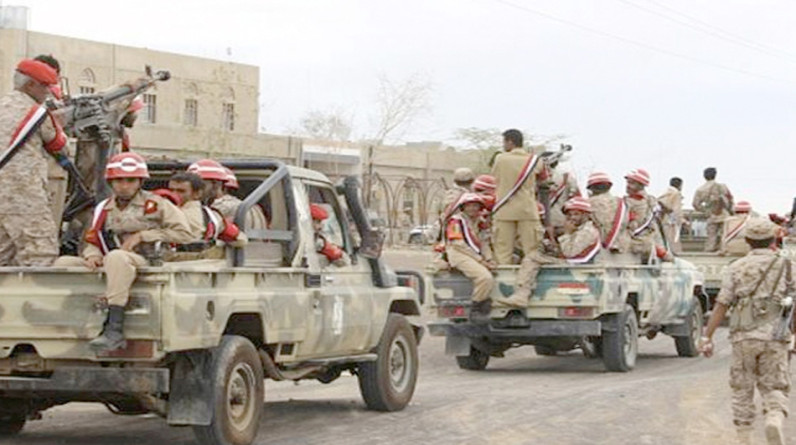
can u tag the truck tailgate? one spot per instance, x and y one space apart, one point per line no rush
57 311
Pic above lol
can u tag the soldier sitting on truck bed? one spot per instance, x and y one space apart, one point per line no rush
216 178
609 213
467 251
646 239
733 240
209 229
330 252
125 229
580 244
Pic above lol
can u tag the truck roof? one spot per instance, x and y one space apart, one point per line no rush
240 164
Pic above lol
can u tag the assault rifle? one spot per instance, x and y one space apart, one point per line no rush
97 118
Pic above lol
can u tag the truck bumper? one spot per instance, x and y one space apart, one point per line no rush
537 328
73 380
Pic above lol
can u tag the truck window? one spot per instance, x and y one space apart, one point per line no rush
334 226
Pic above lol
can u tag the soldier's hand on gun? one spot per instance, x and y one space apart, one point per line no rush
131 242
93 262
705 346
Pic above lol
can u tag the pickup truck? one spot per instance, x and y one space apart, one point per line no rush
602 308
203 335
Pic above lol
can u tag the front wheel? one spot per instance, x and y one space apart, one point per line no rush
237 396
620 345
475 361
687 346
388 383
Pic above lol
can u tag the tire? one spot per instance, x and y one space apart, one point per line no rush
476 361
544 350
592 347
12 417
238 394
620 347
687 346
388 383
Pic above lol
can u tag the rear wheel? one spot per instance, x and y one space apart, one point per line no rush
238 394
620 345
687 346
475 361
592 347
12 417
388 383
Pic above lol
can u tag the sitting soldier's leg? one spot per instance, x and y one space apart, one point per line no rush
68 261
483 283
526 277
120 270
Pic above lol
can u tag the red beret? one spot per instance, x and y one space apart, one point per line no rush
38 71
318 212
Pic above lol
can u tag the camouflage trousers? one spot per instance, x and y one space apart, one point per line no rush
763 364
28 240
121 268
483 281
714 231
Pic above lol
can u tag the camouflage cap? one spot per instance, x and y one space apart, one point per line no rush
761 229
463 174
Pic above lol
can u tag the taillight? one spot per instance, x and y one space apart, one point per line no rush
576 312
452 312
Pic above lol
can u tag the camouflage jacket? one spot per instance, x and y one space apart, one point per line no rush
713 199
604 214
641 208
582 245
23 181
154 217
740 279
672 205
563 186
733 240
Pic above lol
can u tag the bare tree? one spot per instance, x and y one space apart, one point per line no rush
400 103
331 125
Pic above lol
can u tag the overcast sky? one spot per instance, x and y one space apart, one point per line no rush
628 86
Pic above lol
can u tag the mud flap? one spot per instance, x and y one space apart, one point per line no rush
457 345
191 398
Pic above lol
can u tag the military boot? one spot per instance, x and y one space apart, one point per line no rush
743 435
112 337
519 298
773 428
480 311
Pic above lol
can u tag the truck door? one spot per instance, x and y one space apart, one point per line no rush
346 289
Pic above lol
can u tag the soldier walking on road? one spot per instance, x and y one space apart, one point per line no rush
715 200
515 213
28 231
759 288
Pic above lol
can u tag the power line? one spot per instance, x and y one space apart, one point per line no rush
711 30
642 44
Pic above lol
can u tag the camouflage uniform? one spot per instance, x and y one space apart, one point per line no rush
198 226
464 257
713 199
574 246
228 205
604 208
28 233
757 358
564 186
520 215
155 218
641 207
672 216
733 235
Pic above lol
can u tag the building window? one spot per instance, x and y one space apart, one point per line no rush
229 117
86 90
190 115
87 82
149 113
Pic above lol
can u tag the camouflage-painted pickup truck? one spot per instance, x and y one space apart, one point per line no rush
601 308
203 335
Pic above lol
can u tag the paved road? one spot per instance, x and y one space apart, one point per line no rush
519 399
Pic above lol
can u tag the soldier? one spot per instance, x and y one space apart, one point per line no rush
515 212
28 231
126 227
463 179
672 213
759 288
715 200
733 241
216 193
469 254
330 252
579 244
485 186
209 229
645 238
563 186
609 213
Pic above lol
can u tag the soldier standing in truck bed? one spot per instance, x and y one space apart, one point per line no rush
715 200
